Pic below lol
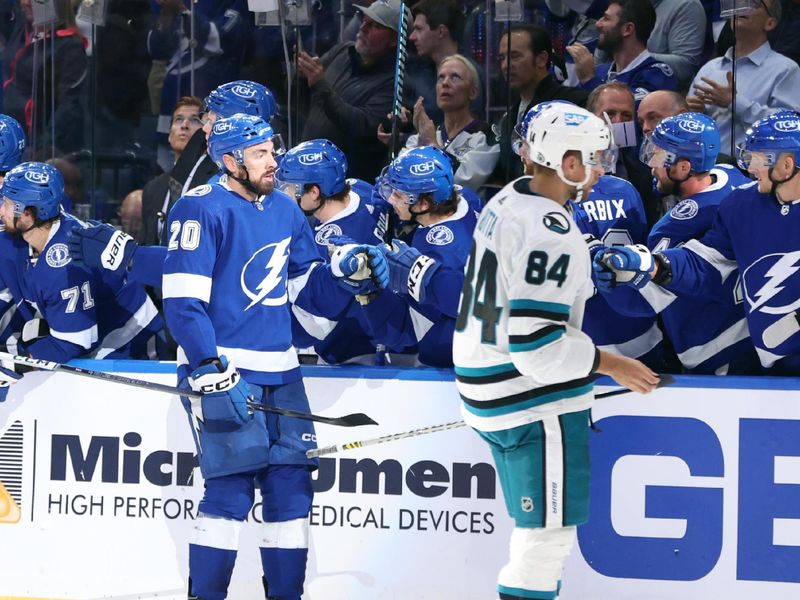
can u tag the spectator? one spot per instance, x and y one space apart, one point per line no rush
765 80
34 57
469 143
438 26
201 55
657 106
351 89
784 38
130 213
527 69
155 196
623 31
74 188
679 36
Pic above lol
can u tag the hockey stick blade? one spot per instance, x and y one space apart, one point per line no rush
46 365
352 420
335 448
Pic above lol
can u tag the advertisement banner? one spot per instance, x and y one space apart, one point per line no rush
695 492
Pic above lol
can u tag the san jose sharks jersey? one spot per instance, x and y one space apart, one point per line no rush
613 213
761 236
89 313
518 349
231 270
401 322
346 339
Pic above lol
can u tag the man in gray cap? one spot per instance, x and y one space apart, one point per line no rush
351 89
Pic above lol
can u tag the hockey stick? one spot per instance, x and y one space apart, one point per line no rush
665 381
399 77
353 420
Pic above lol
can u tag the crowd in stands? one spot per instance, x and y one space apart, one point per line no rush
327 91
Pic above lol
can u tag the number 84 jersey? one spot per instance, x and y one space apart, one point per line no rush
518 349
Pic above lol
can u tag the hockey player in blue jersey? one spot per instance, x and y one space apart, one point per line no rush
79 312
709 331
524 369
426 275
314 173
87 246
239 253
755 229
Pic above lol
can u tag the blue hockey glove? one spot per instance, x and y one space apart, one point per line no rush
630 265
225 393
101 247
409 270
7 379
360 268
604 276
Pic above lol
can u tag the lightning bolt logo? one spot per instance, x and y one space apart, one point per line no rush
783 269
273 277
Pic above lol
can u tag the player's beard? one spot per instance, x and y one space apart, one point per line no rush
611 41
264 186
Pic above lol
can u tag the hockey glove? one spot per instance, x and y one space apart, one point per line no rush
101 247
225 393
360 268
631 265
409 270
7 378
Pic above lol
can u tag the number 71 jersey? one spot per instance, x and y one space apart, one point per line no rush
518 350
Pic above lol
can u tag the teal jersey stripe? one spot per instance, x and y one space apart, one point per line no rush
520 593
530 403
483 371
535 304
543 341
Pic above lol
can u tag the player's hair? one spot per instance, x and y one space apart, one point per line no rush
538 38
775 9
187 101
338 196
447 207
473 72
639 12
594 97
442 12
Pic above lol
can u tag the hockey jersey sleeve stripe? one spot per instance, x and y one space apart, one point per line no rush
716 259
692 357
187 285
537 339
549 310
119 337
261 360
84 338
482 375
657 297
529 399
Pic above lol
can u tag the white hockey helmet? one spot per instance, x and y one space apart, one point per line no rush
561 128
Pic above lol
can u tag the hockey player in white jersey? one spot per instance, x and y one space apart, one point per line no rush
757 229
524 369
239 253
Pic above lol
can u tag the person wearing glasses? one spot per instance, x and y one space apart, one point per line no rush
766 81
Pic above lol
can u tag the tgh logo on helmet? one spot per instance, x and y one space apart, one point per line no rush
312 158
222 127
243 91
37 177
793 125
422 168
691 126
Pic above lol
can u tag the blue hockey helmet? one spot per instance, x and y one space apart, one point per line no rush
246 97
316 161
35 184
233 134
12 143
770 137
686 136
425 170
521 129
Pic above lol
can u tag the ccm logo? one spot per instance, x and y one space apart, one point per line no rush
221 386
308 437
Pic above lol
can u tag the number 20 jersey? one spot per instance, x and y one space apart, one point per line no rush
518 350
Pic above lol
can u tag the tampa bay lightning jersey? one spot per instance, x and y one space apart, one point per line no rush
401 322
614 214
232 268
89 313
13 311
347 338
644 75
761 236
